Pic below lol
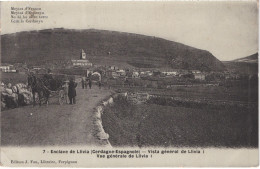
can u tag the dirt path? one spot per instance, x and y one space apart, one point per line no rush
55 124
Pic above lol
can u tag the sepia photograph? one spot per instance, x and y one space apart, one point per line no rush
123 78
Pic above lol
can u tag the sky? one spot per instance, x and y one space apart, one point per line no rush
229 30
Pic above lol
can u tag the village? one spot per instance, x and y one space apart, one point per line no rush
114 75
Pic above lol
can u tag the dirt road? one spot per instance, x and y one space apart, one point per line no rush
54 124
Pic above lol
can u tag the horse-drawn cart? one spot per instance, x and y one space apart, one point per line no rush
46 86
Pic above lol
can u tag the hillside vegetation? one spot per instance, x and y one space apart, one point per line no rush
104 47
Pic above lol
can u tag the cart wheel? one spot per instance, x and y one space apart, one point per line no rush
61 97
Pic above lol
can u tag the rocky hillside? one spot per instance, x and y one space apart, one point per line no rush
104 47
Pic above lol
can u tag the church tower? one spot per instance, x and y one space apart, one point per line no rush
83 55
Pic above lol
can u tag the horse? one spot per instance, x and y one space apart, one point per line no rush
38 86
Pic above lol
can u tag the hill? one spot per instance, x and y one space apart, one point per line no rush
245 65
249 59
104 47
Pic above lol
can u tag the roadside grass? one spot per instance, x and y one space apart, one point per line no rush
156 125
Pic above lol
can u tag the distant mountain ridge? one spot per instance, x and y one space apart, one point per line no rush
246 65
249 59
104 47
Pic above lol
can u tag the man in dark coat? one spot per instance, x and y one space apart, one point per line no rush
89 83
89 80
83 82
72 91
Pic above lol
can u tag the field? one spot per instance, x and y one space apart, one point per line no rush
235 93
187 125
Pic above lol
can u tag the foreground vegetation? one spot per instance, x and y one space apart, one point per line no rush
163 125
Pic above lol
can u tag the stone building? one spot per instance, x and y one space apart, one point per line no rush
199 76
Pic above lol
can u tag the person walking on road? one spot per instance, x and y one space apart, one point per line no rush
99 84
72 91
83 82
89 80
86 84
66 90
89 83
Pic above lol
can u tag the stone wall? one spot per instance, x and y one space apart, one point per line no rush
138 98
98 130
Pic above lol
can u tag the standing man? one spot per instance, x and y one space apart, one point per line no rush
99 84
89 83
66 90
83 81
89 80
72 91
99 81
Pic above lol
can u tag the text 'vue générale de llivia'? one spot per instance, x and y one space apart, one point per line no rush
28 15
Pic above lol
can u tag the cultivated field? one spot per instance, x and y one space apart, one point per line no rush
235 93
232 123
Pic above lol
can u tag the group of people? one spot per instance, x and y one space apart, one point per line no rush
85 82
70 88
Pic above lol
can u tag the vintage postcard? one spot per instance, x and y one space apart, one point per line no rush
129 84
